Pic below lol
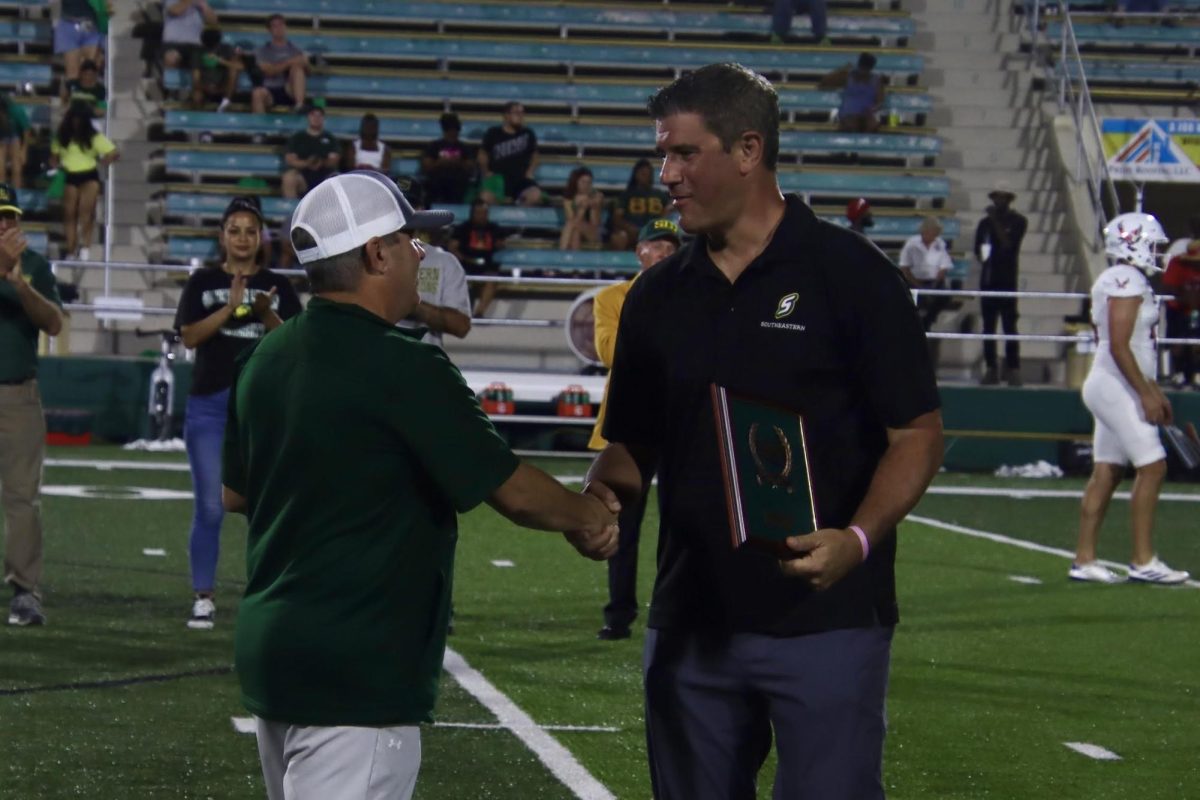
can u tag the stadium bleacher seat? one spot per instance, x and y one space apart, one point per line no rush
469 49
32 200
887 29
577 137
363 85
1095 35
19 73
25 32
919 189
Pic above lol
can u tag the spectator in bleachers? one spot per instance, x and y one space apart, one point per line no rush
284 68
1182 281
81 151
215 79
222 311
445 305
183 23
1180 245
998 240
926 262
448 163
368 151
784 10
87 90
312 155
583 209
77 36
858 213
862 95
641 202
475 244
15 133
510 150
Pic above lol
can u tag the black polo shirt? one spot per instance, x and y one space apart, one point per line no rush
850 356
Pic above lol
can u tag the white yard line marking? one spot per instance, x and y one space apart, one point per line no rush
503 562
245 725
116 492
1027 494
149 466
1024 545
154 551
561 763
496 726
1093 751
1028 580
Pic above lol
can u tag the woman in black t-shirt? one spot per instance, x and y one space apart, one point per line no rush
223 310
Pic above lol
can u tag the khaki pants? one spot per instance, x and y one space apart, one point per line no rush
22 449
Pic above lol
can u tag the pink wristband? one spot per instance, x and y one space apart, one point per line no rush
862 540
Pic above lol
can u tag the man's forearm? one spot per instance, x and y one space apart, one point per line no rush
912 458
44 314
621 470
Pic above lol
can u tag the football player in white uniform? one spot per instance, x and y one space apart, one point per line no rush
1125 401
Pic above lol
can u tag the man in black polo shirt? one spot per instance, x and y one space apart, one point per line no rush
775 304
351 446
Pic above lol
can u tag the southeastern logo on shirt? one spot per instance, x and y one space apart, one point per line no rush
787 304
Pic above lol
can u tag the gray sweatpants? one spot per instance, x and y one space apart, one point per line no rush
302 762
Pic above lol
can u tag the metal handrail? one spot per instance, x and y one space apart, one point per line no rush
109 193
1073 94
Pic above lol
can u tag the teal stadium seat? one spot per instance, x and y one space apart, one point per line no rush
1117 70
33 201
905 147
15 73
612 177
38 241
540 93
885 28
1140 36
486 50
24 32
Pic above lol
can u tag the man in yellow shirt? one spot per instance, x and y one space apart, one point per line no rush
658 239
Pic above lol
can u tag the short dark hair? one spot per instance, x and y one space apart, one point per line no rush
340 273
274 17
866 62
450 122
88 64
730 99
511 104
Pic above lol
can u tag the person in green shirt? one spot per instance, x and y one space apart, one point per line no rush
87 90
29 303
351 447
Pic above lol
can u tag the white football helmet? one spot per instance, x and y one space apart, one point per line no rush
1132 239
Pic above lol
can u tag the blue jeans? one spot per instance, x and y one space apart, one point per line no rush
204 433
713 703
781 17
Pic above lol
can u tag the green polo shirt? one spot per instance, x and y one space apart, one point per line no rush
18 334
355 446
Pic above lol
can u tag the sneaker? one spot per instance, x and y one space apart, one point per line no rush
224 104
206 137
991 377
1093 572
203 611
1155 571
1012 377
26 609
258 138
84 254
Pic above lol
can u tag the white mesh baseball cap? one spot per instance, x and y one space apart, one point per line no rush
345 211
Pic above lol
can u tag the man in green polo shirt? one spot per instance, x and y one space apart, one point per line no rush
28 303
351 447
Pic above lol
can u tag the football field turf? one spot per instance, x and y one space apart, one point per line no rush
998 663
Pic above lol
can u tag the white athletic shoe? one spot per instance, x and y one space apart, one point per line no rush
1155 571
1093 572
203 612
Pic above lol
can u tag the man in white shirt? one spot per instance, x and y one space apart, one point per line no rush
445 305
925 262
